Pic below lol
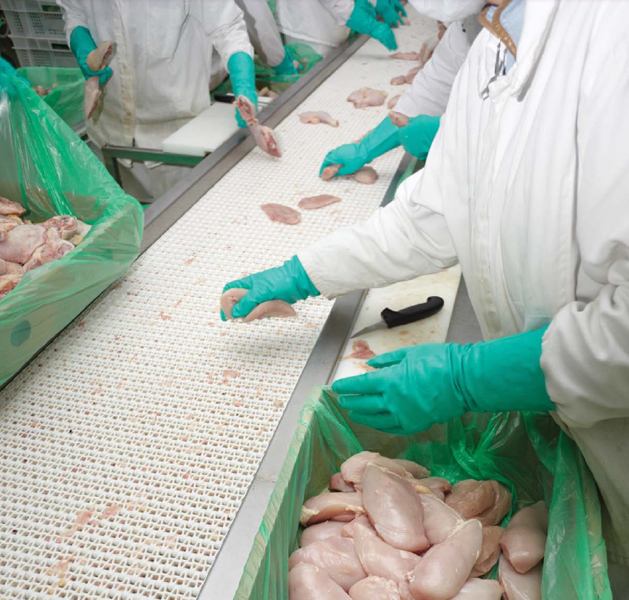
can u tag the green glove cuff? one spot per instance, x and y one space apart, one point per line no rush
368 7
503 374
243 77
380 140
418 135
286 67
81 43
304 287
363 20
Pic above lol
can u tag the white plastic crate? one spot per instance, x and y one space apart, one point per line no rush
45 58
46 6
24 43
36 24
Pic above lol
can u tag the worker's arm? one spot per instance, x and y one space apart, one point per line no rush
360 15
416 137
224 22
401 241
423 102
80 38
73 15
431 87
585 353
265 36
416 387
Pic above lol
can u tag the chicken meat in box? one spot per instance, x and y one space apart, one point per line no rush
481 506
67 230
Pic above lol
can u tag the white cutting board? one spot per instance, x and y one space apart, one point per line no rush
205 133
432 330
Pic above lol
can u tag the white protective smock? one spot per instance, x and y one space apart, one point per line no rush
162 62
430 90
447 11
263 32
320 23
527 187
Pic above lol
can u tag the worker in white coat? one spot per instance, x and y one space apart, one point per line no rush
266 38
326 24
159 77
426 100
526 186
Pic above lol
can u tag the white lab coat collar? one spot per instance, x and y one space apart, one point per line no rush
538 21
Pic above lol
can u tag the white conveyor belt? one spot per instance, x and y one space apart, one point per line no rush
127 446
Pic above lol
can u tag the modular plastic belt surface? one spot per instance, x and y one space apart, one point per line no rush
127 446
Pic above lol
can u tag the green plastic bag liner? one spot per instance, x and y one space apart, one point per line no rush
50 171
527 452
66 98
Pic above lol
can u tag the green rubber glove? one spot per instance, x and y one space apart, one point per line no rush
242 73
81 44
418 135
363 22
397 5
290 283
368 7
287 67
418 386
352 157
386 9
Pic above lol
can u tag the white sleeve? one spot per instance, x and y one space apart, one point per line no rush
263 31
431 87
73 15
224 22
447 10
401 241
341 10
585 353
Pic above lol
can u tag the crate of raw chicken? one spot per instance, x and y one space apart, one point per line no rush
67 230
476 508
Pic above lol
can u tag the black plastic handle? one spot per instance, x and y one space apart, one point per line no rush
227 98
395 318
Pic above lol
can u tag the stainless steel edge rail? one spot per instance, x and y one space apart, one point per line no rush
226 572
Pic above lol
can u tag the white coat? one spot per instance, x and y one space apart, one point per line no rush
447 11
263 31
430 90
527 187
162 63
315 21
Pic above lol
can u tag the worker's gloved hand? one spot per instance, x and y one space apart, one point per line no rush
363 21
418 386
81 44
290 283
418 135
352 157
242 73
386 9
287 66
397 5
